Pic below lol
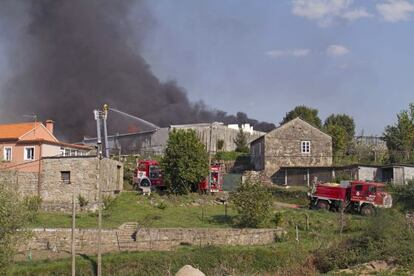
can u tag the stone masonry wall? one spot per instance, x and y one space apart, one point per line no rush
127 239
283 147
25 183
85 172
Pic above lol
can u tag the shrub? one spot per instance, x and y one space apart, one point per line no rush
185 162
403 196
83 202
14 216
33 204
107 200
254 204
162 206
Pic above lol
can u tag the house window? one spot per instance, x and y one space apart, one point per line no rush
65 177
305 147
29 153
7 154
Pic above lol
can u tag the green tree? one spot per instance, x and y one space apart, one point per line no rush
14 216
241 142
185 162
253 203
400 136
344 121
339 139
308 114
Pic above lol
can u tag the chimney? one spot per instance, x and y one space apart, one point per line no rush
49 125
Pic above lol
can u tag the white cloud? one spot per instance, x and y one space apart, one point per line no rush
355 14
337 50
396 10
324 11
288 53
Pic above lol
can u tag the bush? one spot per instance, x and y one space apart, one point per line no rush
254 204
185 162
33 204
386 236
293 196
14 216
107 200
162 206
403 196
83 202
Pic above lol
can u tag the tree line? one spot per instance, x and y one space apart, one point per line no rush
399 137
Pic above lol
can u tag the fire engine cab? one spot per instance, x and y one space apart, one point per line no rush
148 175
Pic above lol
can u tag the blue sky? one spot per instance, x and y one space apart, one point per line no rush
264 57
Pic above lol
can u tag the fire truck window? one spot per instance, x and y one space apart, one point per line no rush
154 171
372 189
142 167
358 188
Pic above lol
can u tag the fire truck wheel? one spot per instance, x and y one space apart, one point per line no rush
322 205
367 210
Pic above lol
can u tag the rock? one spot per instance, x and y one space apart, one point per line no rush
188 270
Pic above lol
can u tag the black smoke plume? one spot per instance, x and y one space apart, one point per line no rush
75 55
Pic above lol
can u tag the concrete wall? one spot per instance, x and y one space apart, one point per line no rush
218 132
154 142
282 147
122 239
409 174
369 173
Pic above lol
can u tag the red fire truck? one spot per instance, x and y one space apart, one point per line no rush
359 196
148 174
215 183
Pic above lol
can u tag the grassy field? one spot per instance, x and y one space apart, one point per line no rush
154 211
314 242
316 230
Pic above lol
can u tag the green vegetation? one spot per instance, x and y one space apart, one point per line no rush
294 195
230 155
308 114
191 210
400 137
14 215
211 260
185 162
253 204
241 142
403 196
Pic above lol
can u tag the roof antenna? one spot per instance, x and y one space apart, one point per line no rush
34 118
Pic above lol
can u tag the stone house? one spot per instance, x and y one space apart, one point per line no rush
294 144
61 176
23 145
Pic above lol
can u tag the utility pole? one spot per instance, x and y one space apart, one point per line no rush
98 117
105 115
209 157
73 231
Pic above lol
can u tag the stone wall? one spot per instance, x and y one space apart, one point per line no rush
25 183
85 174
127 238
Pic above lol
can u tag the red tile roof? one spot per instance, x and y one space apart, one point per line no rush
14 131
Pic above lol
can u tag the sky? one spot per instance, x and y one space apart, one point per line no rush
265 57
